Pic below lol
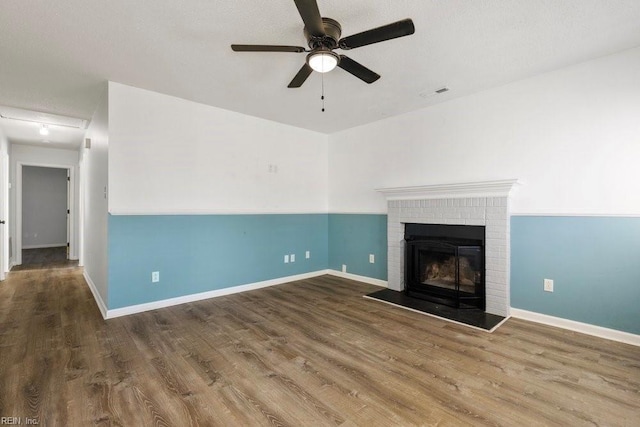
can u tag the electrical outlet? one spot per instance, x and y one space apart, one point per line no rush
286 259
548 285
292 257
372 259
155 276
307 255
344 268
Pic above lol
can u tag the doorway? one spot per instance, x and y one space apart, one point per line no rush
43 217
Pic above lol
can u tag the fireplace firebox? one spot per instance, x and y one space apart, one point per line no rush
445 264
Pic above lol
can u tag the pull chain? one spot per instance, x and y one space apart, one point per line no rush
322 97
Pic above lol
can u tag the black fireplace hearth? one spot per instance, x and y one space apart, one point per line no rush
445 264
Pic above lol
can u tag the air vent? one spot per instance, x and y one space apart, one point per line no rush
435 92
11 113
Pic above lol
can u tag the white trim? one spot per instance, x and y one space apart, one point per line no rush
584 328
139 308
116 212
500 188
5 205
356 212
71 229
574 214
438 317
365 279
96 295
50 245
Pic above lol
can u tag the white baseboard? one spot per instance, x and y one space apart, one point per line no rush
358 278
50 245
96 295
585 328
139 308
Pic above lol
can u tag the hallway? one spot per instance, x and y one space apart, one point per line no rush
44 258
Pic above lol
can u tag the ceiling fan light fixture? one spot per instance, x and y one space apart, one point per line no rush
323 60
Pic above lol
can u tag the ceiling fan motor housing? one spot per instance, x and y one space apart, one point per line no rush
332 30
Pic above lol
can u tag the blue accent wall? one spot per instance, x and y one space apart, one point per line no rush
352 237
594 262
199 253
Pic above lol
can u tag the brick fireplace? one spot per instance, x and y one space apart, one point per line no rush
478 203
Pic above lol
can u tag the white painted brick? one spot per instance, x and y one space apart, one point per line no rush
498 308
495 242
499 235
496 213
500 201
497 264
495 225
496 276
474 221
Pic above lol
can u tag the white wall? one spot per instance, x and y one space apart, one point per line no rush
168 155
42 156
94 174
44 207
4 204
572 136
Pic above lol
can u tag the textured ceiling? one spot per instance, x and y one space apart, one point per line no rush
55 55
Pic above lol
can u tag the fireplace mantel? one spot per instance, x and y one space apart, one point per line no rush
500 188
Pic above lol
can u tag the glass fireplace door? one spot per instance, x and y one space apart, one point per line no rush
450 273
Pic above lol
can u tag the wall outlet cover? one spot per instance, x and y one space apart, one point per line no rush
372 258
155 276
548 285
344 268
307 255
286 259
292 257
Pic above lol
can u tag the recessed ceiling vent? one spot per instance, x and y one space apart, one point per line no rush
47 119
435 92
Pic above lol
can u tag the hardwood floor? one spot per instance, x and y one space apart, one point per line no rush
312 352
43 258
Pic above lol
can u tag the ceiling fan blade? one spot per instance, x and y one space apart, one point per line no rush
302 75
380 34
357 69
265 48
310 15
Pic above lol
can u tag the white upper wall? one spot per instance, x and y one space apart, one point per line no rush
571 136
95 219
168 155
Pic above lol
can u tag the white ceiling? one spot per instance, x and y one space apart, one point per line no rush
56 55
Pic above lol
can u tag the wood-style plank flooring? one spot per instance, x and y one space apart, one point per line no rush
43 258
307 353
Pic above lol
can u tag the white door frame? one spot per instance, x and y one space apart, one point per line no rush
4 215
70 198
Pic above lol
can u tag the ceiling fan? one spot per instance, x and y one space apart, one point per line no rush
323 37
